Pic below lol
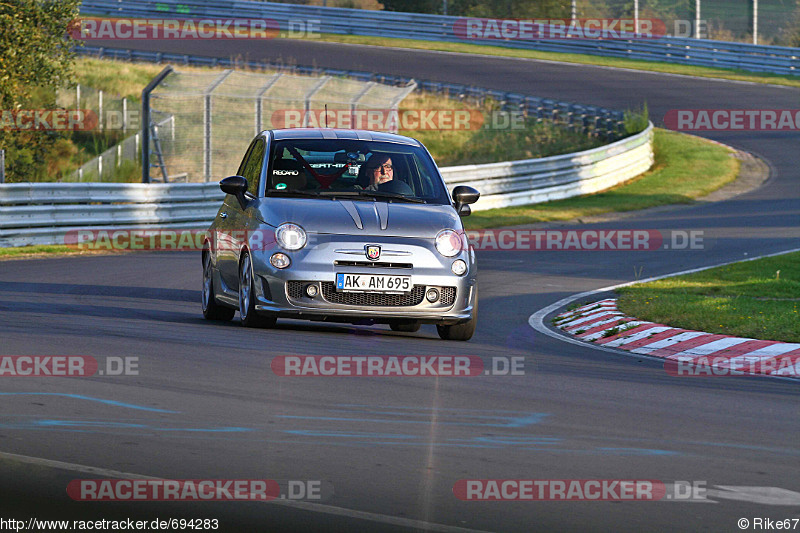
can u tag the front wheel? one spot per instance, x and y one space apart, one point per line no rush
461 332
211 309
247 298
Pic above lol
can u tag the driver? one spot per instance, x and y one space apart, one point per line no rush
379 170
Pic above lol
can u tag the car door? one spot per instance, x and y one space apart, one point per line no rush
234 225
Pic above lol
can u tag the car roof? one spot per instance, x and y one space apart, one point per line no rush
332 133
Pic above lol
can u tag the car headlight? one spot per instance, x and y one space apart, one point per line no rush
280 260
291 236
448 243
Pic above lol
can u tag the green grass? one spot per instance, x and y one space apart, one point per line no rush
685 168
757 299
43 250
488 145
634 64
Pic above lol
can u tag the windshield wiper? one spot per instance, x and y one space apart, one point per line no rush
333 194
293 192
391 195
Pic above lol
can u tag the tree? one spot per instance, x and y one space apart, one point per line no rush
35 59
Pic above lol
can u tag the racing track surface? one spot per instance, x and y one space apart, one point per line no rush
207 405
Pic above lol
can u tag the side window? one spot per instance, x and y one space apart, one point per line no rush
252 168
240 172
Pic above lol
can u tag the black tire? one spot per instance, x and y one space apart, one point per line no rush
247 302
461 332
211 309
408 327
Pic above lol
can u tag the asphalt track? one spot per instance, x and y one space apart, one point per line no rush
207 405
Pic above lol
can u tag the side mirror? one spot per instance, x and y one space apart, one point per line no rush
462 196
237 186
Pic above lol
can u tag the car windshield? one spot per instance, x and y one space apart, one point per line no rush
376 171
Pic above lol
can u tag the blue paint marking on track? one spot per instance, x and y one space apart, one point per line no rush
91 399
348 434
123 425
501 417
480 418
85 423
639 451
512 422
207 430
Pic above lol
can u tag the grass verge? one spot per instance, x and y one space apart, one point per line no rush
43 250
633 64
685 168
757 299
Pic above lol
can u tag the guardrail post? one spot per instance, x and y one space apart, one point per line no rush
755 21
146 121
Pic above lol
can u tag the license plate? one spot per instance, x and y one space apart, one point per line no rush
373 283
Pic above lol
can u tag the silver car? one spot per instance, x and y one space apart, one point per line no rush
343 226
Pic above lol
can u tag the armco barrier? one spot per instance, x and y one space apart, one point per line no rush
553 178
700 52
43 213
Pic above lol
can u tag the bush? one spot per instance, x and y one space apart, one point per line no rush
636 120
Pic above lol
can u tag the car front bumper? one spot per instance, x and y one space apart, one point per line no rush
281 292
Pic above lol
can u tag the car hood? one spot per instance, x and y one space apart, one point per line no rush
359 217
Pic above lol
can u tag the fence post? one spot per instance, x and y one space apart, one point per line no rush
207 145
146 121
2 166
260 101
100 106
310 94
124 115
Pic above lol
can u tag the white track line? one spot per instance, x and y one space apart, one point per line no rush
418 525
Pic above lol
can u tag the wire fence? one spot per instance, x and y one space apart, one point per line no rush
213 115
254 100
128 153
113 112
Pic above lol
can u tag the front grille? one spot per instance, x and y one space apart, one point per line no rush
448 296
296 291
368 264
371 299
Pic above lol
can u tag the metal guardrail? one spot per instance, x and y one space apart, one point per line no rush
44 213
552 178
686 51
